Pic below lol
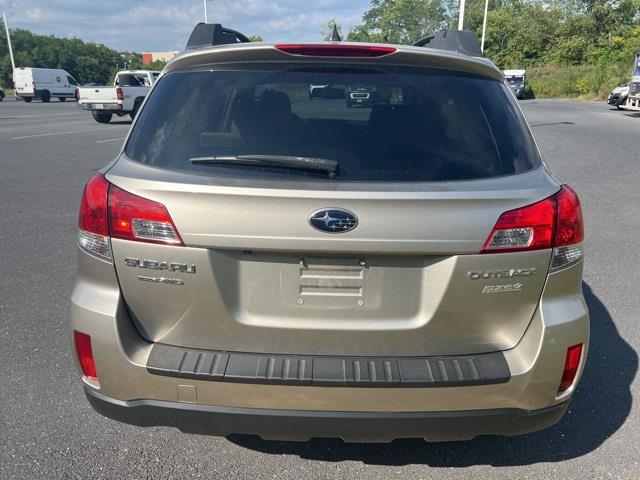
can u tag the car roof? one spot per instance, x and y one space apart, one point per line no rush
40 69
259 52
138 71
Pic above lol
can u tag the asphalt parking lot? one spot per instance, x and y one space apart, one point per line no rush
48 430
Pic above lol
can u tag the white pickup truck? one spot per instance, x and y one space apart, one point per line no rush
129 89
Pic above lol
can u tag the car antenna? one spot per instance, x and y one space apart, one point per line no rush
335 35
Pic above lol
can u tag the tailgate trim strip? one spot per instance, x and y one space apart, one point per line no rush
444 371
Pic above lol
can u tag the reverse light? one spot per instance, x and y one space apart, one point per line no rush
555 222
85 356
335 50
571 364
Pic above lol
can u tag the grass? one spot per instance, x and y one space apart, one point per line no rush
589 82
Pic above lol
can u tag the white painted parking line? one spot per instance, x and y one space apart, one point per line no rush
32 126
43 116
110 140
55 133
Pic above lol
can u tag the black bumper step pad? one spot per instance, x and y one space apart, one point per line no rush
445 371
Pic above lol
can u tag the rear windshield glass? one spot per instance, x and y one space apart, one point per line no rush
382 124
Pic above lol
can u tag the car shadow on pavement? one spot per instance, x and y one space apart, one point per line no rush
599 408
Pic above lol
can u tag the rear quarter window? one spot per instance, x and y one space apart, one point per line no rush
381 124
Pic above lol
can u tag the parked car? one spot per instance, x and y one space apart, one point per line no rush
2 94
632 102
129 89
516 79
618 96
44 83
361 96
258 262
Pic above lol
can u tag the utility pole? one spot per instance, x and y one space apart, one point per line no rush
484 24
206 17
461 15
6 27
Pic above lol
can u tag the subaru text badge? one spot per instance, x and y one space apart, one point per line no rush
333 220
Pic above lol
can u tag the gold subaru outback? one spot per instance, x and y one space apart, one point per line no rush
258 260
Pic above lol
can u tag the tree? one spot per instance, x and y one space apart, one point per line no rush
87 62
155 65
255 38
402 21
520 33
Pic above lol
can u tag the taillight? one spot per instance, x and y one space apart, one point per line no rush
136 218
119 93
335 50
571 364
93 234
569 230
555 222
77 94
107 211
85 356
526 228
34 86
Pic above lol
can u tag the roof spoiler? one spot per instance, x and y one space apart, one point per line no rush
212 34
461 41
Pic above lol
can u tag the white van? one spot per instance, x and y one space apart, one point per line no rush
44 83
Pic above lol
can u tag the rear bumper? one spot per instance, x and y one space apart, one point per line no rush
105 107
137 388
300 425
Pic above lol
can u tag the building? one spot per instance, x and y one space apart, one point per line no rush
148 57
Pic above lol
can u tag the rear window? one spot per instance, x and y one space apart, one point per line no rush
380 124
132 80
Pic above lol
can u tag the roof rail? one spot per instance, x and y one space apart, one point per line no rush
461 41
211 34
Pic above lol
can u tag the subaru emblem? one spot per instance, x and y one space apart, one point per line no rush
333 220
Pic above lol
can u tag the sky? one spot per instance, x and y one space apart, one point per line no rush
160 25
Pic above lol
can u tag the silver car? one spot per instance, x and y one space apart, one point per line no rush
256 261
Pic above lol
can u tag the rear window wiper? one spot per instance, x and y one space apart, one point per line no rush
330 167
